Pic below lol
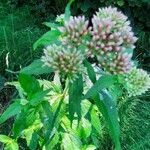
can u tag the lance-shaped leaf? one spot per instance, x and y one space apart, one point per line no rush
67 10
48 38
103 82
107 107
11 111
75 96
52 25
90 71
38 97
37 67
46 116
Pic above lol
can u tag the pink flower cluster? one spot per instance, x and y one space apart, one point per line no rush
109 38
74 30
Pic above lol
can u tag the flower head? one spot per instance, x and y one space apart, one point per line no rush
137 82
74 30
111 36
115 63
67 61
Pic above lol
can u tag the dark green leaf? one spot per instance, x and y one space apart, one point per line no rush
90 70
75 96
33 141
29 84
36 68
54 141
108 109
46 116
67 10
12 110
103 82
48 38
38 97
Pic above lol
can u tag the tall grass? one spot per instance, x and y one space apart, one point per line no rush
18 32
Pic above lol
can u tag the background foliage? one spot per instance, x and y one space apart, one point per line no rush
21 25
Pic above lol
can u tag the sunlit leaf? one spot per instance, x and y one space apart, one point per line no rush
71 142
95 121
4 139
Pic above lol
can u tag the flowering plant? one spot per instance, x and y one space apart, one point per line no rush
92 69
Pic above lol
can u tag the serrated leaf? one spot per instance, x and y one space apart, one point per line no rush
37 67
38 97
103 82
29 84
67 10
73 142
90 70
11 111
75 97
47 39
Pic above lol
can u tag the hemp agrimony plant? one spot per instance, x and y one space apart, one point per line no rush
92 68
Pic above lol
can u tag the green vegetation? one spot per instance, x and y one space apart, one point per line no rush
65 100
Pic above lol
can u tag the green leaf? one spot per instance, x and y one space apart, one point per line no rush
95 121
85 129
75 96
12 110
71 142
90 70
46 116
37 67
38 97
12 146
28 116
103 82
34 141
107 107
4 139
90 147
54 141
47 39
67 10
52 25
10 143
29 84
112 117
